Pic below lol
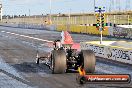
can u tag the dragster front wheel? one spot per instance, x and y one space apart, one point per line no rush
37 58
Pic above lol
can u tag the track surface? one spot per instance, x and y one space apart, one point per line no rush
18 59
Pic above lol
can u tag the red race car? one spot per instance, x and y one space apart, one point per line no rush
67 56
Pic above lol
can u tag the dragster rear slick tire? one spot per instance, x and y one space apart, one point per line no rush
58 61
89 61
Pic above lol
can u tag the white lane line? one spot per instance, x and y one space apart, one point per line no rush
27 36
2 31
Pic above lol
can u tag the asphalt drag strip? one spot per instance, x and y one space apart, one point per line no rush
19 54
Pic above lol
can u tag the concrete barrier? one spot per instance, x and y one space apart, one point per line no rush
37 26
112 50
29 26
121 31
9 24
51 27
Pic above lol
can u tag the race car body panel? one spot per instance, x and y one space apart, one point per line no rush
67 39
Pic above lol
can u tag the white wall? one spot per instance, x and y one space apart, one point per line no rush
110 52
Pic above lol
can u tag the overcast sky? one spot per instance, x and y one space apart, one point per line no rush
37 7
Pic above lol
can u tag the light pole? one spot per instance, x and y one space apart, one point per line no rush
50 12
82 16
94 10
128 18
94 5
69 20
100 21
70 16
58 19
29 13
29 16
1 11
100 28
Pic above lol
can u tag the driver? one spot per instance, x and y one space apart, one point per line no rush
57 44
